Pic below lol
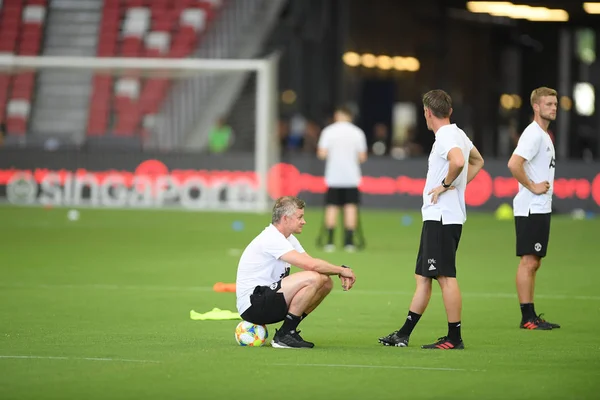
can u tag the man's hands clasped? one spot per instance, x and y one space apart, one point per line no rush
347 277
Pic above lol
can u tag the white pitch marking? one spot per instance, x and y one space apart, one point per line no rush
353 291
381 367
78 358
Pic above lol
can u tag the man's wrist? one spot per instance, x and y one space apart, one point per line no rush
531 186
446 186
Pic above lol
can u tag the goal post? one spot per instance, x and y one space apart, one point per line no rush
154 83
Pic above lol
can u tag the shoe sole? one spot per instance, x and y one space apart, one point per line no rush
538 328
284 346
393 345
436 348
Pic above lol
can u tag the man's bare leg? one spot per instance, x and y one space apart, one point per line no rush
331 216
453 304
417 307
525 282
350 222
302 291
320 295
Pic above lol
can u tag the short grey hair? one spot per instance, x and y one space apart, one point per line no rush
286 205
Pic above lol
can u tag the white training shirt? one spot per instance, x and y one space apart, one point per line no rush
535 146
343 142
260 264
450 207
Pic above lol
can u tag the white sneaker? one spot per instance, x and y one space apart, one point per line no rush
350 248
329 248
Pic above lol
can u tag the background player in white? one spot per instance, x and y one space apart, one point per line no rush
267 293
532 164
344 147
453 163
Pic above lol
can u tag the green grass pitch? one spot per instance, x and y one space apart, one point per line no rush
99 309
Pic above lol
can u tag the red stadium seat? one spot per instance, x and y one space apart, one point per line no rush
21 33
180 41
16 125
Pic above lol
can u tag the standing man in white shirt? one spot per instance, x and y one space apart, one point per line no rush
533 165
344 147
453 163
267 293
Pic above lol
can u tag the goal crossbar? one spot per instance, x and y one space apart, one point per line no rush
266 86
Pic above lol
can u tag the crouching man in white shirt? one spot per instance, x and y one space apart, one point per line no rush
267 293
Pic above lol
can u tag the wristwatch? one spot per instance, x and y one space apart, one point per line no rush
444 184
343 266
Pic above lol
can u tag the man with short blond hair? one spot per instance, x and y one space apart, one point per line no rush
533 165
267 293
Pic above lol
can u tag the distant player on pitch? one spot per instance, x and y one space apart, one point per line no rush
343 146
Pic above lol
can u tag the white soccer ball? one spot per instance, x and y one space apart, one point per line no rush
73 215
249 334
578 213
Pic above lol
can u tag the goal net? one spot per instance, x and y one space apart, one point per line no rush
138 132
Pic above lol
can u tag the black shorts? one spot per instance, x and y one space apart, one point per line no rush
437 251
342 196
267 305
533 233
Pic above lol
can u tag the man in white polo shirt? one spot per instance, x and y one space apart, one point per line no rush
532 164
344 147
453 163
267 293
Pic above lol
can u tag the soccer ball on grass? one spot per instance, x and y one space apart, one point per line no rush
249 334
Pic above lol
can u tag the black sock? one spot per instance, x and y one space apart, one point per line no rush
527 311
349 237
454 331
290 323
410 323
304 315
330 235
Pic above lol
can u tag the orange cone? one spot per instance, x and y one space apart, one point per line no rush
224 287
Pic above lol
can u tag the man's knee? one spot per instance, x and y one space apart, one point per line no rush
530 262
326 283
423 280
313 278
447 281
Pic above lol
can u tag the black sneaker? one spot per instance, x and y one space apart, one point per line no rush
297 334
394 339
536 324
289 340
552 324
444 343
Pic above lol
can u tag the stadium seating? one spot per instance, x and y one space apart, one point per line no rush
125 105
21 31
